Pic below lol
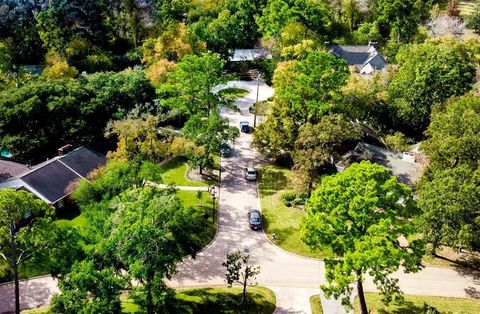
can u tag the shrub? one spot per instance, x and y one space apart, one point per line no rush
288 198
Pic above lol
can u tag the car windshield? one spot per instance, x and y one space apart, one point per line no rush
251 172
254 217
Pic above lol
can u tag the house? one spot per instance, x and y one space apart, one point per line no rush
406 166
365 59
249 55
55 179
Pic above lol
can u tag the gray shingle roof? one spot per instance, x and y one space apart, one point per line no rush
359 56
54 179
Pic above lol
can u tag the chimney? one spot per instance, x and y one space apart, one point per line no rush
373 44
65 149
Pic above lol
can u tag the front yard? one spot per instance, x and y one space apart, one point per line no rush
279 219
415 304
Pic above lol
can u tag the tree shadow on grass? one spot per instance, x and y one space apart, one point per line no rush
272 181
406 307
210 300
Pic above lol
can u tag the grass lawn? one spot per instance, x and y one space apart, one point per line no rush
316 304
226 300
175 172
232 93
279 219
414 304
260 300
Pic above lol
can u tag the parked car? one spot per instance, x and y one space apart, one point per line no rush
244 126
225 150
254 219
250 173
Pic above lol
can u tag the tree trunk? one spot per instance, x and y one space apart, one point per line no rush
200 168
149 298
361 297
244 294
14 268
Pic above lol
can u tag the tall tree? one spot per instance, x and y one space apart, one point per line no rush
189 87
305 91
25 231
429 74
240 272
360 214
86 289
318 145
209 133
399 19
150 232
449 189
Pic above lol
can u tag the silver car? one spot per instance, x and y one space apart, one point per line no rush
250 174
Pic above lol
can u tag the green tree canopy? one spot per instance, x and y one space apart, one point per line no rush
449 190
360 214
429 74
188 89
86 289
279 13
150 232
453 134
26 230
318 145
305 91
44 114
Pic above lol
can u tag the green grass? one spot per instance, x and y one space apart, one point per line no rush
260 300
316 304
175 172
226 300
279 219
232 93
466 7
414 304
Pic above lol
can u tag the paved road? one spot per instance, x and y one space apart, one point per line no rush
294 279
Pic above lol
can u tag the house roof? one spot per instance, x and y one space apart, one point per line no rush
55 178
360 56
249 54
9 169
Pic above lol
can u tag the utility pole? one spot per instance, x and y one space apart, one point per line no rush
255 108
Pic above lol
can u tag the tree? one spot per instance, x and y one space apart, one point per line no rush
25 230
175 42
149 233
429 74
58 68
360 214
453 134
43 114
449 189
399 19
189 87
18 28
446 25
452 8
87 289
305 91
138 138
279 13
209 133
319 144
238 271
450 211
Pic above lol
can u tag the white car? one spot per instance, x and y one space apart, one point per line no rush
250 174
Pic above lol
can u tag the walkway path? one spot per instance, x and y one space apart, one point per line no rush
293 278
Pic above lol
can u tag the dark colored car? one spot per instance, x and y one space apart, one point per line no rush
254 219
225 150
244 126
